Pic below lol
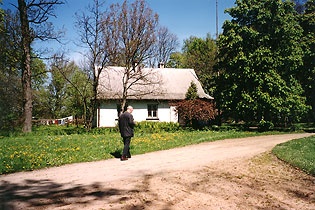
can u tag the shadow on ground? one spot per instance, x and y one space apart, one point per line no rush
46 194
116 154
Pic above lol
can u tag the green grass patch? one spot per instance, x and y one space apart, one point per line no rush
49 146
299 153
35 152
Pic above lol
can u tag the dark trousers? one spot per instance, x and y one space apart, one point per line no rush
126 150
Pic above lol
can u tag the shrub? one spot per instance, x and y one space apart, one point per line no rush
265 125
153 127
197 112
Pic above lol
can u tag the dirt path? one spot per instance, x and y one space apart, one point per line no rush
228 174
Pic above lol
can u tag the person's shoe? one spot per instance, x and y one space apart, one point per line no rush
123 158
128 156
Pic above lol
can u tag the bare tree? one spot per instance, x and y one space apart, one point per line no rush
166 44
91 36
34 24
132 31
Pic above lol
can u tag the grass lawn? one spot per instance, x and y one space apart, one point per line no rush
54 146
299 153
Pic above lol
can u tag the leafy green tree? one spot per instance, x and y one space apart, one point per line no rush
39 73
10 81
200 54
176 60
192 91
41 104
259 58
10 74
78 95
307 75
39 78
69 92
61 74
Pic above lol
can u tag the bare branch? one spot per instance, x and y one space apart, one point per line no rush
90 30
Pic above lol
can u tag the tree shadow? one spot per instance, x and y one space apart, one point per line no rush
46 193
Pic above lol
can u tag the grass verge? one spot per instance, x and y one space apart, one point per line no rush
299 153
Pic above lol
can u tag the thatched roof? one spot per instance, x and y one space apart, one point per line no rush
156 83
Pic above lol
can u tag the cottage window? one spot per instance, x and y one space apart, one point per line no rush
152 110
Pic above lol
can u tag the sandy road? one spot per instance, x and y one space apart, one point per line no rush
42 189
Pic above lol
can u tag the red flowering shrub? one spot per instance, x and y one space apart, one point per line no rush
195 111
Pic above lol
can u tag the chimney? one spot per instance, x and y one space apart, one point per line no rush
161 65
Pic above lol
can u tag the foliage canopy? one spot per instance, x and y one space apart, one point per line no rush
259 59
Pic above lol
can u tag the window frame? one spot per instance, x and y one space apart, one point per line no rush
152 111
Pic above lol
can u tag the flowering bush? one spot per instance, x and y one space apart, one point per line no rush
195 112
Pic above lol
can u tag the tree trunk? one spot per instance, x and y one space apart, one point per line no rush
94 104
26 68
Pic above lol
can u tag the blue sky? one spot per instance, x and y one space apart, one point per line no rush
184 18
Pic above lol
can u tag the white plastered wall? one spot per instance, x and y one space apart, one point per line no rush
107 113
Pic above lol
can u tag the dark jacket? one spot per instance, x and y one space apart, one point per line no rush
126 124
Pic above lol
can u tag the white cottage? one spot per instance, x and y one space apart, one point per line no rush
150 96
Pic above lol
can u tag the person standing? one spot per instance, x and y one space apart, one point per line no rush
126 125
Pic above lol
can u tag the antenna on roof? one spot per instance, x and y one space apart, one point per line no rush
216 19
